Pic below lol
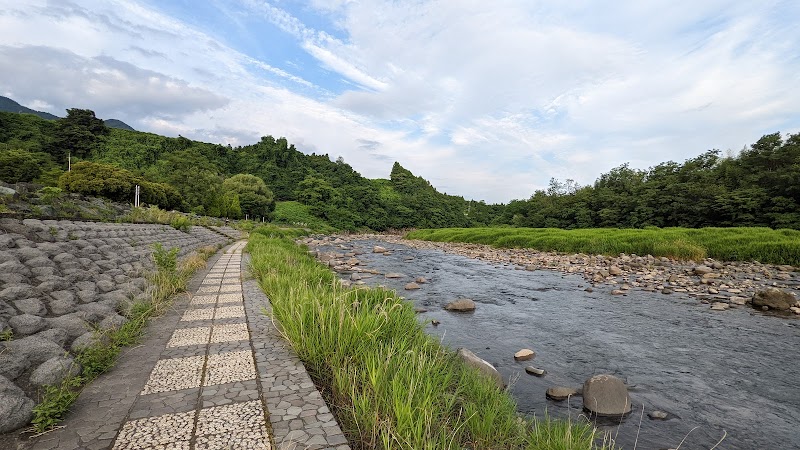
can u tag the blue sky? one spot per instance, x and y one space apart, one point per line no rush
488 100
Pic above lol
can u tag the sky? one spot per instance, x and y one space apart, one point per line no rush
485 99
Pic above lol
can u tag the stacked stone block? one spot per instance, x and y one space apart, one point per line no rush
59 282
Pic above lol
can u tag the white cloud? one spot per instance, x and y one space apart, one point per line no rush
485 100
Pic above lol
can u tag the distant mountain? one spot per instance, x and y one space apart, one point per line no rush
116 123
8 105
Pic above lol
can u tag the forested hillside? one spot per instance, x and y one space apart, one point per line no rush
758 187
207 178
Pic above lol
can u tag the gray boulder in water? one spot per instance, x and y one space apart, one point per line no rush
774 299
606 395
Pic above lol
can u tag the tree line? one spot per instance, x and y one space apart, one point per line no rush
758 187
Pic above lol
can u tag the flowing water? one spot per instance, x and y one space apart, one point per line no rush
735 371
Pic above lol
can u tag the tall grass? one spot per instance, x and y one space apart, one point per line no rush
390 385
731 244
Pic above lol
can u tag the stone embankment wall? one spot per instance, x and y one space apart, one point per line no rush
62 280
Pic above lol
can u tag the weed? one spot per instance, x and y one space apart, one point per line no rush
53 231
6 335
165 260
55 403
49 194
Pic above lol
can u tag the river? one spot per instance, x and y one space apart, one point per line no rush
731 373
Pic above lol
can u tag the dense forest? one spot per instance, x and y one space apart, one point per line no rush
758 187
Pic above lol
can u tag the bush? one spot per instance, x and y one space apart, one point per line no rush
165 260
105 180
181 223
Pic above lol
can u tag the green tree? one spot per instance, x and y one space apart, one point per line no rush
253 195
79 133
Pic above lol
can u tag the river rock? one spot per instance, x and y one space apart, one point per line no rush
378 249
411 286
16 409
617 292
657 415
702 270
53 371
606 395
420 280
462 304
524 354
534 371
719 306
394 275
560 393
473 360
774 299
738 300
614 270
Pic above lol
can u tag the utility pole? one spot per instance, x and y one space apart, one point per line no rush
136 196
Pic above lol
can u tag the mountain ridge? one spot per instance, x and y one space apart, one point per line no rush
10 105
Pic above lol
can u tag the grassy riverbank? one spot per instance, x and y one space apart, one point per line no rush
391 385
730 244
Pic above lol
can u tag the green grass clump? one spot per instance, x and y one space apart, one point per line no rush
272 231
297 214
169 279
730 244
391 385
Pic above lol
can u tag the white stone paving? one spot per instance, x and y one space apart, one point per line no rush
189 336
174 374
239 425
229 312
230 332
230 367
198 314
171 431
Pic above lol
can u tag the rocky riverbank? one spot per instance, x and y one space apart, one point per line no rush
719 284
60 281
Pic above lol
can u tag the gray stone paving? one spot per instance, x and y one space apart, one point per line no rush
214 373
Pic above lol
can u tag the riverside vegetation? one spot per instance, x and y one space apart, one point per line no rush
390 384
728 244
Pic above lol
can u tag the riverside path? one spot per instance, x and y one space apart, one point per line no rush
213 373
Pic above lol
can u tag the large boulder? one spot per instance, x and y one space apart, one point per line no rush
16 409
606 395
774 299
474 361
461 305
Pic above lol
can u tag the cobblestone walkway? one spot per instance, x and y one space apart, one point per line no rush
224 379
